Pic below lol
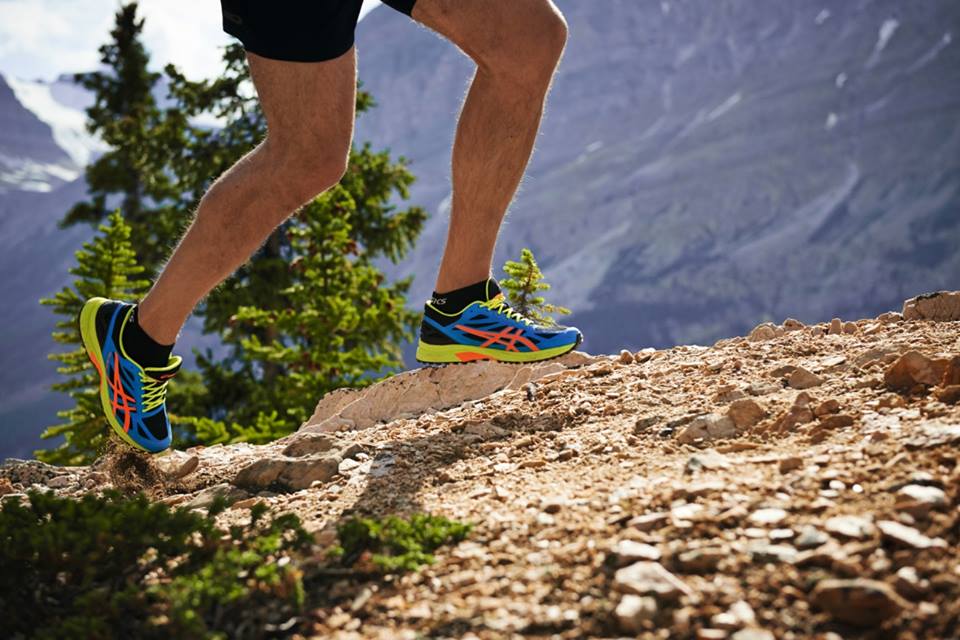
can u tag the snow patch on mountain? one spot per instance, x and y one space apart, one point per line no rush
67 121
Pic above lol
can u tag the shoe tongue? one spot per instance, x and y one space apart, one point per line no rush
493 289
167 372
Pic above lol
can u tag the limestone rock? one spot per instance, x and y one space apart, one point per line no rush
626 357
415 392
762 332
288 472
866 603
633 611
908 536
650 578
630 551
854 527
177 464
951 374
791 324
836 327
745 413
710 426
308 443
918 500
913 368
803 379
949 395
205 498
941 306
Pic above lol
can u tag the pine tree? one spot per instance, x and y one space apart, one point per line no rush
106 267
523 286
126 117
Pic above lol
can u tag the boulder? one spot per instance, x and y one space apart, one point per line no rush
913 368
941 306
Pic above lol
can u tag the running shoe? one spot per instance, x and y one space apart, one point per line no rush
490 330
133 397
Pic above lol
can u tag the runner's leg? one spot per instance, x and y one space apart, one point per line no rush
309 108
516 46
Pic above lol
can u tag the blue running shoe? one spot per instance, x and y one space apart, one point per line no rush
490 329
133 397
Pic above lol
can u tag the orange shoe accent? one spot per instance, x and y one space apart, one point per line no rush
503 337
468 356
116 386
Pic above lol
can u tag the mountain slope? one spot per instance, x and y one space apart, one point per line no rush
801 481
705 167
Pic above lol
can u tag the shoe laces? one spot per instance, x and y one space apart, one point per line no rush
498 303
154 392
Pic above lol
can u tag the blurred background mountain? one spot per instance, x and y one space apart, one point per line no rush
702 167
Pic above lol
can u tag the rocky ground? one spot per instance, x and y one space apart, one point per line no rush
799 482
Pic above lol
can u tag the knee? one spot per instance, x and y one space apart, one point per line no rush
530 53
307 170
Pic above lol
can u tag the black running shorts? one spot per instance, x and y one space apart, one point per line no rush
297 30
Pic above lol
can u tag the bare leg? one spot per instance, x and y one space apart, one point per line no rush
309 109
517 46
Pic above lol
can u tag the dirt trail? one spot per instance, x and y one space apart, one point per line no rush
799 482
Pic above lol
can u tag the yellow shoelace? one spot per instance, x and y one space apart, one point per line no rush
154 392
499 304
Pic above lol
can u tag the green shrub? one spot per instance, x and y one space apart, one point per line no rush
397 544
121 568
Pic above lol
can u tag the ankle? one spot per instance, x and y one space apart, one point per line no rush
139 345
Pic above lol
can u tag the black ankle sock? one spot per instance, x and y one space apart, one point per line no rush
454 301
145 351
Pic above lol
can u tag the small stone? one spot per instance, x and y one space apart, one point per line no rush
6 486
710 426
752 634
762 332
59 482
308 443
791 324
553 505
790 463
745 413
630 551
890 317
911 369
206 498
768 516
626 357
650 578
762 388
854 527
850 328
827 407
866 603
810 537
908 536
649 521
918 500
951 374
633 611
803 379
836 327
838 421
909 585
765 552
949 395
703 560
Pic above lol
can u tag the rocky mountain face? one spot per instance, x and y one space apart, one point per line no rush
801 480
705 166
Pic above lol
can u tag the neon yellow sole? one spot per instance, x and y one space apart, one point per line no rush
88 333
448 353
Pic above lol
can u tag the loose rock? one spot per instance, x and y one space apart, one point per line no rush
745 413
650 578
804 379
911 369
942 306
707 427
633 611
865 603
